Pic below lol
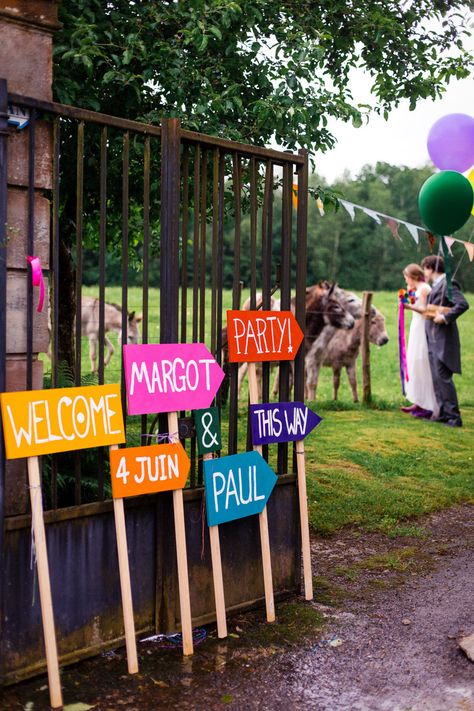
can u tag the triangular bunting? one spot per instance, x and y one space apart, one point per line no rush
320 205
350 207
392 224
469 249
413 230
431 239
449 243
294 196
374 215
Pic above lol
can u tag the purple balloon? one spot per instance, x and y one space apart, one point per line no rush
451 142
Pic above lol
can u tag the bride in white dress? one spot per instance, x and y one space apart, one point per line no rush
419 386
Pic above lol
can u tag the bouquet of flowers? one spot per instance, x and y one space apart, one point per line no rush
407 296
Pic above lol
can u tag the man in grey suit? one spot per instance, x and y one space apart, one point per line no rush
442 334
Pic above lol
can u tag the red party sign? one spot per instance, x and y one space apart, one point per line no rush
262 335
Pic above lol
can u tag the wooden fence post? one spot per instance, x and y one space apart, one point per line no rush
365 346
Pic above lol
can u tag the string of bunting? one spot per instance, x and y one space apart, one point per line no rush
393 223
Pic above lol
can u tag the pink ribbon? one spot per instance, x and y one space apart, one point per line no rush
37 279
402 343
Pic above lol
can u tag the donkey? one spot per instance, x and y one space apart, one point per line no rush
317 349
344 350
112 322
327 309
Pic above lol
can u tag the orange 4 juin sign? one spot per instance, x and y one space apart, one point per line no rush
262 335
147 470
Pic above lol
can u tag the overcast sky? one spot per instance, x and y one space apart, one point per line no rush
401 140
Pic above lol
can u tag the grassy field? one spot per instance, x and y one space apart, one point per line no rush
376 467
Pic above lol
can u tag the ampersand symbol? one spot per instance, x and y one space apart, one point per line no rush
212 440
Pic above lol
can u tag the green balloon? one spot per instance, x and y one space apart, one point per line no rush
445 202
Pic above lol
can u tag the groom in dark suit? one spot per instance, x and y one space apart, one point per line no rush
444 348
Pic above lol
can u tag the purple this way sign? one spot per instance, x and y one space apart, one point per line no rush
281 422
167 377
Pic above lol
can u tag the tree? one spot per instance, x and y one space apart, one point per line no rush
253 71
256 70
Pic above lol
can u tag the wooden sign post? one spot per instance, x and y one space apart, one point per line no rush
289 422
37 422
135 471
256 336
208 435
170 377
125 583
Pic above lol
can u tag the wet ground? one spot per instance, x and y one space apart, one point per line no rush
381 635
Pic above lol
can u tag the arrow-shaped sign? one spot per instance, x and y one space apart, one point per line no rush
236 486
262 335
281 422
146 470
169 377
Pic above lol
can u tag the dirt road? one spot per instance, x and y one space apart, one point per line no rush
393 610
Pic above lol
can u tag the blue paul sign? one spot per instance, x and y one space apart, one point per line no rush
281 422
236 486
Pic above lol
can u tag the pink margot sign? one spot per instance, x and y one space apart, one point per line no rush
167 377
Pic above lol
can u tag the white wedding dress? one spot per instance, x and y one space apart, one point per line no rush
419 386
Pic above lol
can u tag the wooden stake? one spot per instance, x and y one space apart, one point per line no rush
125 584
263 519
365 346
181 555
304 522
44 583
217 575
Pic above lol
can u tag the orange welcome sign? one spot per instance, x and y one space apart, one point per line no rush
147 470
37 422
262 336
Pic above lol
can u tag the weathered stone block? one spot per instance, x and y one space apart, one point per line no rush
18 157
17 228
15 374
16 315
27 53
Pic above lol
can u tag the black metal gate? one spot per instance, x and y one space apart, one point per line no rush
154 214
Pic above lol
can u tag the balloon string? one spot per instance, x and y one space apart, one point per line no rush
447 268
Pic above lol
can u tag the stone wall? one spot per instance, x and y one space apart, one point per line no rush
26 29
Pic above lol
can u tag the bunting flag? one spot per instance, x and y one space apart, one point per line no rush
431 239
373 214
469 249
449 243
350 207
413 230
320 205
294 195
393 227
393 223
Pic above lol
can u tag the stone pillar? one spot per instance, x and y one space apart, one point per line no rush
26 29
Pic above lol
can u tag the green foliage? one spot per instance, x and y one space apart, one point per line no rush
255 70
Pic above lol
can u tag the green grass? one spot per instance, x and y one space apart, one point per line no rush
374 467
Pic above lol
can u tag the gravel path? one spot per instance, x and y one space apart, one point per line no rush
390 644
